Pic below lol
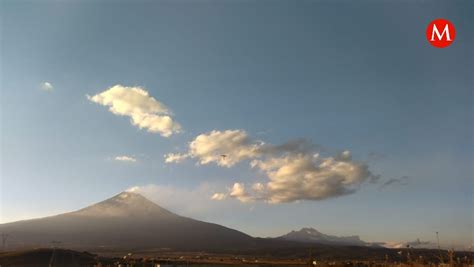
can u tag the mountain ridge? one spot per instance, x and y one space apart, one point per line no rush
311 235
130 220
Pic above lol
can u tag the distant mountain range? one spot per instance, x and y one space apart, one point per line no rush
130 221
311 235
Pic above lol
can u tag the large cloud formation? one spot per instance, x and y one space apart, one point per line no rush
144 111
293 170
301 176
224 148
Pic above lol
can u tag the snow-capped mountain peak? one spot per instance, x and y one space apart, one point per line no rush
312 235
123 205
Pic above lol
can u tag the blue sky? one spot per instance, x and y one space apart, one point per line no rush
345 76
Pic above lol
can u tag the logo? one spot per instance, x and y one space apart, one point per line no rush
440 33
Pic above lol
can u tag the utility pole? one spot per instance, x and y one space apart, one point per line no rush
408 255
4 241
439 249
53 254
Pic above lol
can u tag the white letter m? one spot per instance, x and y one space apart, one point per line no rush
440 36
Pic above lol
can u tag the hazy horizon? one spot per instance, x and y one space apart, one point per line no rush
265 117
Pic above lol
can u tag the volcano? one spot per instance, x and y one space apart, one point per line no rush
127 220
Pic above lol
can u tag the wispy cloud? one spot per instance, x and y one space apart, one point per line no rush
144 111
294 170
395 181
175 157
125 158
46 86
218 196
376 156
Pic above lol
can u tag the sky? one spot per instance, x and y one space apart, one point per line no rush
263 116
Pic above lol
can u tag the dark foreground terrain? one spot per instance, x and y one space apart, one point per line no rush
343 257
50 257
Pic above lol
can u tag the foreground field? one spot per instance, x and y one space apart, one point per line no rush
68 258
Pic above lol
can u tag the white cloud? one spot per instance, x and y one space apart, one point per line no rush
303 177
218 196
238 191
46 86
144 111
175 157
293 170
126 158
224 148
258 187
